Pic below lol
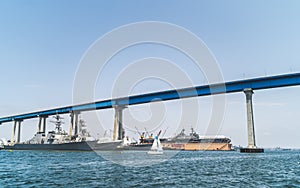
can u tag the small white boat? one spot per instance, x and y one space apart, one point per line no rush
156 148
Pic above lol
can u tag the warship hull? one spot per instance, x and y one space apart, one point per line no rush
71 146
145 147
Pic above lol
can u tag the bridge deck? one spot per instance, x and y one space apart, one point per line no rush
219 88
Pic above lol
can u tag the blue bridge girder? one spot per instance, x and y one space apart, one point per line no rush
260 83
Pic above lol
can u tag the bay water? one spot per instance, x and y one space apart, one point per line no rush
274 168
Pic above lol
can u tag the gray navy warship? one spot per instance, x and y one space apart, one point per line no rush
59 139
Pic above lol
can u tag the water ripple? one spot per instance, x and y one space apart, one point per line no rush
186 169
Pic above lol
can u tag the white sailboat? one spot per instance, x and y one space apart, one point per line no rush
156 148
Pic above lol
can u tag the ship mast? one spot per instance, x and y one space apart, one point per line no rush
58 122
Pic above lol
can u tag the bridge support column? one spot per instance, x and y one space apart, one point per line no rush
13 141
39 125
118 123
19 132
71 124
250 124
13 133
44 120
76 122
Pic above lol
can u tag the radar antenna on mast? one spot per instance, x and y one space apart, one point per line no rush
58 122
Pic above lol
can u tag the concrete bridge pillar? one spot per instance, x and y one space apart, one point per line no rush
118 123
19 132
16 123
250 120
250 125
44 120
13 132
39 125
76 114
71 124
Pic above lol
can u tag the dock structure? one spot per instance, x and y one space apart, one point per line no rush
247 86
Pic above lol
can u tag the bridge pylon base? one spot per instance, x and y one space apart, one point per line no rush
252 150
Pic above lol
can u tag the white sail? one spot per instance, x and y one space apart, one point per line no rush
156 147
159 146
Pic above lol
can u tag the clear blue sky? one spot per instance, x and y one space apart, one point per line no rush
42 42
